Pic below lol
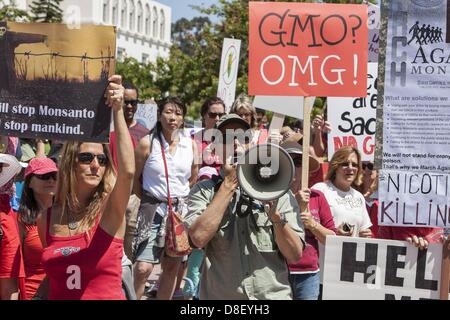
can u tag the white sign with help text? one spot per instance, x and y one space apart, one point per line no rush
371 269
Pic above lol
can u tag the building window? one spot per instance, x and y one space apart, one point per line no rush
115 12
155 23
145 58
148 19
106 11
123 14
140 15
162 26
132 18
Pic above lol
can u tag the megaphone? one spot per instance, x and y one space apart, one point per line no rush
265 172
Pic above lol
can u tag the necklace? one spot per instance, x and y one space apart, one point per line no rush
72 223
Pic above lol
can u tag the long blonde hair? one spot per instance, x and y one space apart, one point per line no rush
340 157
66 197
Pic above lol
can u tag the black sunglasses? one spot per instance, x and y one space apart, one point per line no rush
347 164
214 115
368 166
134 103
88 157
47 176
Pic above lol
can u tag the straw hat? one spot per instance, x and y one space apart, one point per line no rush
10 168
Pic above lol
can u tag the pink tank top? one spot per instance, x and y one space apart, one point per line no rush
84 268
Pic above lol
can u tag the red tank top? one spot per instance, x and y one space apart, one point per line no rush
32 257
83 267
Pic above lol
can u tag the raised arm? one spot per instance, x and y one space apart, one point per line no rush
113 219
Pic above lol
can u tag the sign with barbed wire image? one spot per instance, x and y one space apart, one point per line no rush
53 79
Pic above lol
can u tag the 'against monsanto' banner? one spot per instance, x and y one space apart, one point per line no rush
414 180
53 79
307 49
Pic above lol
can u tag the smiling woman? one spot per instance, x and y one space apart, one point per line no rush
83 232
347 205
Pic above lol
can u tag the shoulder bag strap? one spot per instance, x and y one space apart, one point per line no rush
169 200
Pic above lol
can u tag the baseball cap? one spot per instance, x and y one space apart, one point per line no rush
40 166
10 168
294 148
231 118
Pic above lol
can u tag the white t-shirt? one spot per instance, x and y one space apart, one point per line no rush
346 206
179 166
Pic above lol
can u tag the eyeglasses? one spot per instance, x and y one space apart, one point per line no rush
46 176
368 165
297 161
88 157
214 115
347 164
134 103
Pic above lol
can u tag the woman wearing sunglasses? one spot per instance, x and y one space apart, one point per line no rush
83 232
211 111
37 195
180 153
347 205
304 275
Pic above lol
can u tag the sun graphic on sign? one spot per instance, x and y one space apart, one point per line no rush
230 66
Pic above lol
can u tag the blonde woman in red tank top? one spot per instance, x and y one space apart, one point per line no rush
83 232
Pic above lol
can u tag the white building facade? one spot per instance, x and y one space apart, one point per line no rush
143 26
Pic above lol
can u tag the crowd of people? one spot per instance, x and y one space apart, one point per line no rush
86 220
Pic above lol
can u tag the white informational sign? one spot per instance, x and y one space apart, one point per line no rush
353 120
416 124
146 115
371 269
229 66
374 29
289 106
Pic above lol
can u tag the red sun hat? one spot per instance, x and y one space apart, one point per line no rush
40 166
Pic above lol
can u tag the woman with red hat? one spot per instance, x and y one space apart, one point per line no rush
37 195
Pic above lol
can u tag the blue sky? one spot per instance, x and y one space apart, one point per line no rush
180 8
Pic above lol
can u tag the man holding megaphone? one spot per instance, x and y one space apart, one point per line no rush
247 242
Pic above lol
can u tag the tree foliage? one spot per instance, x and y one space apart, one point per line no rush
46 11
191 71
11 13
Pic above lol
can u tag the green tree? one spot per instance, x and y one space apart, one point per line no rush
46 11
11 13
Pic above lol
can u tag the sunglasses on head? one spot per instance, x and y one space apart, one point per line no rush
88 157
347 164
214 115
134 103
47 176
368 166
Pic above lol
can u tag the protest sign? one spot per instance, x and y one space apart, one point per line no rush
416 131
146 115
371 269
353 119
307 49
229 66
53 79
374 29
